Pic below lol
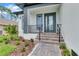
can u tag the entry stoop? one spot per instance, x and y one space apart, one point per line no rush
52 38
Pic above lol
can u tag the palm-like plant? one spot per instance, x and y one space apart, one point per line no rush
2 9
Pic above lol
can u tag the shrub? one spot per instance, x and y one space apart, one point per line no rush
13 37
66 52
7 41
27 43
11 29
8 37
3 38
22 39
1 41
17 43
62 46
32 40
23 50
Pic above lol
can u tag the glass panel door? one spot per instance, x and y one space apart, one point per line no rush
39 22
49 22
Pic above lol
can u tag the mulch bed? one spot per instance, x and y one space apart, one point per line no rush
21 49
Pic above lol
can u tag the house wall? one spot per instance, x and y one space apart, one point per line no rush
69 15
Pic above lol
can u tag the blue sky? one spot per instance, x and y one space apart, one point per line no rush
13 7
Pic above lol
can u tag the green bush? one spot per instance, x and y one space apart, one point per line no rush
62 46
13 37
3 38
11 29
17 43
16 37
7 41
6 38
66 52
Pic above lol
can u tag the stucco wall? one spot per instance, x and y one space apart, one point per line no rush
69 15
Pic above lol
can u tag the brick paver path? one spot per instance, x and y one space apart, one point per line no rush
46 49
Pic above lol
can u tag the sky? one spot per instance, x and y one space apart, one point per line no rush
13 7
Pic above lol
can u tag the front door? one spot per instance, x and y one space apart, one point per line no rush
50 22
39 22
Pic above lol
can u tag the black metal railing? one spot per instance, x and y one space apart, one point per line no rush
39 28
34 29
59 31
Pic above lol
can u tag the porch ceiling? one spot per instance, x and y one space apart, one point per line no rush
44 9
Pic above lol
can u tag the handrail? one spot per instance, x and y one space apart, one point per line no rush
59 31
35 29
39 33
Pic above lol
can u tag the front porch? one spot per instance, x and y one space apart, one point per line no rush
42 21
45 17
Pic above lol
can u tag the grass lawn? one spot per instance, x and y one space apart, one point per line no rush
6 49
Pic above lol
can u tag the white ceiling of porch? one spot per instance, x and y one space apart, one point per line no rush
44 9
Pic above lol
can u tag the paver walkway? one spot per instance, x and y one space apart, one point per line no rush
46 49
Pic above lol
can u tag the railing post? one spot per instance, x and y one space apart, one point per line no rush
59 34
39 34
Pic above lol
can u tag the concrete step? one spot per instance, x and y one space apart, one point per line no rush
49 33
49 36
45 38
52 39
49 41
